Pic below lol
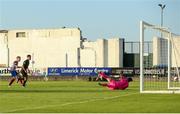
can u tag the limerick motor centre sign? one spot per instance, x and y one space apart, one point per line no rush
92 71
76 71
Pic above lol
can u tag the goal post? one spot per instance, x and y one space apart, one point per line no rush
159 82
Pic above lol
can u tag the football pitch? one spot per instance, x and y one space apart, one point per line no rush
82 97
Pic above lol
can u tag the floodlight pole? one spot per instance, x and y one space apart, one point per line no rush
162 8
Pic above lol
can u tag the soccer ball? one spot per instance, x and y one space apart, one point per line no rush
175 78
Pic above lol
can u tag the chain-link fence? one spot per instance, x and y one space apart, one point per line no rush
131 54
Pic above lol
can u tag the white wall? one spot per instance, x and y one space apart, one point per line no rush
93 53
103 53
156 51
61 48
176 52
160 51
3 50
48 46
115 52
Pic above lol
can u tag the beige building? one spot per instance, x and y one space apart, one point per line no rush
103 53
62 47
160 51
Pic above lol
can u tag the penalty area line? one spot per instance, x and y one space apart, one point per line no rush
73 103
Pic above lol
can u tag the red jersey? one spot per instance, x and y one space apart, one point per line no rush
119 84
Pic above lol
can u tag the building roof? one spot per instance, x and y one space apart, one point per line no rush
3 31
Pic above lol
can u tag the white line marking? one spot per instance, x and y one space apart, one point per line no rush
72 103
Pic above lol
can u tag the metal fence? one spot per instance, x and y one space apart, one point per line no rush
132 57
134 47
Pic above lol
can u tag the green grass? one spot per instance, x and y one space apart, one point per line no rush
82 96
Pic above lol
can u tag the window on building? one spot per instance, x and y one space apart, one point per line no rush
20 34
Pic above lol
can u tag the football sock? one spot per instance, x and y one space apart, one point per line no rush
24 84
21 81
12 80
18 80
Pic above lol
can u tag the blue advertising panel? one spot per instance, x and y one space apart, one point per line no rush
54 71
69 71
77 71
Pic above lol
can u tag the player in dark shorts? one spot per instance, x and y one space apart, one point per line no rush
14 71
25 69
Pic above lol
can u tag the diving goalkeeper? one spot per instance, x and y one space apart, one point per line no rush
113 84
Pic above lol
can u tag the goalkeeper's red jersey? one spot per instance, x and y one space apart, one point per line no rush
122 83
118 84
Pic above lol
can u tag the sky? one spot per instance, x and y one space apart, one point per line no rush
96 18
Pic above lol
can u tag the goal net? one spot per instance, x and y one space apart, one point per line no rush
164 74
